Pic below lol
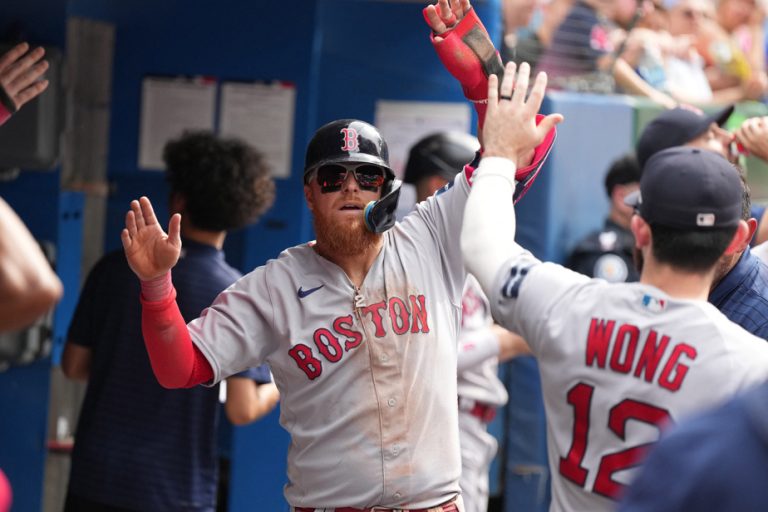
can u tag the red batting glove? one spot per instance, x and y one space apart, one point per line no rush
468 54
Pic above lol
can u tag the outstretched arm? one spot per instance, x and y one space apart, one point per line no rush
28 285
151 254
20 74
488 233
248 401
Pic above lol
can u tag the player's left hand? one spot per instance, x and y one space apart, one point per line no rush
443 16
149 251
20 73
510 129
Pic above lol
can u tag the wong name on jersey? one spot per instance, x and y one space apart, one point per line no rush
641 356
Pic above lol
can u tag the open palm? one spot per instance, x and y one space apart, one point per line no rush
150 252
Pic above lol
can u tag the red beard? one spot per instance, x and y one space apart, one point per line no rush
348 237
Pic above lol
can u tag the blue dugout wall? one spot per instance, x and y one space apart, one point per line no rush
342 56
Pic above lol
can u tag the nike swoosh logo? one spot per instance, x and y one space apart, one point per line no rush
303 293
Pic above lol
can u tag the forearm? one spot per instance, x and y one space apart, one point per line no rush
511 345
248 401
488 232
28 285
175 360
632 83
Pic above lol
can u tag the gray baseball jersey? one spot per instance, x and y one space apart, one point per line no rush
617 362
478 349
478 381
367 376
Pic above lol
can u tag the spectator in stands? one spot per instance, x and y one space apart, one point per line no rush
585 54
733 45
661 49
528 45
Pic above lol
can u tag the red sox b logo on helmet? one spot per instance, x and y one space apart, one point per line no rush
350 139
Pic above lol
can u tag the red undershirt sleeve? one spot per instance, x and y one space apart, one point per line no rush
176 361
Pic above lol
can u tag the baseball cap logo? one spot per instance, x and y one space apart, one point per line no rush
705 219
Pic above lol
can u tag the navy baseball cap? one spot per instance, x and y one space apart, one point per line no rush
688 188
676 127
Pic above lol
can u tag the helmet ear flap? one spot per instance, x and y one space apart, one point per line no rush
381 215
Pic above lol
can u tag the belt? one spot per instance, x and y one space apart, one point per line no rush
449 506
484 412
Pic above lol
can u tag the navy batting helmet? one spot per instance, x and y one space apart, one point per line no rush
354 141
347 140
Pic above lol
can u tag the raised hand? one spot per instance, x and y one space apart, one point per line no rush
753 135
20 74
510 129
443 15
150 252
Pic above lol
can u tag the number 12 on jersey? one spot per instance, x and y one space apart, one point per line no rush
580 398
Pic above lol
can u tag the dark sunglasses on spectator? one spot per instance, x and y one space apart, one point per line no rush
331 177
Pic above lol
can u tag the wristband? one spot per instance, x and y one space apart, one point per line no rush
157 289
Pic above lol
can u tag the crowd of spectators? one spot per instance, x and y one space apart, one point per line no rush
703 52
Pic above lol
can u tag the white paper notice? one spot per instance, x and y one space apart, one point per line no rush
169 106
261 114
403 123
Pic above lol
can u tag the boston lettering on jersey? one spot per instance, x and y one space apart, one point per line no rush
403 316
621 348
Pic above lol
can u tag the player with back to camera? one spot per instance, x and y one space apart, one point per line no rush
618 361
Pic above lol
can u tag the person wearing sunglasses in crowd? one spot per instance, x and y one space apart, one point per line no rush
358 327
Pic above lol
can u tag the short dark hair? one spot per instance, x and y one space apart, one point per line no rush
225 182
694 251
623 170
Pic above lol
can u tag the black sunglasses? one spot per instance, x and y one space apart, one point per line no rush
331 177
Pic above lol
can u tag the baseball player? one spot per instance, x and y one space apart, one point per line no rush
359 328
617 360
432 163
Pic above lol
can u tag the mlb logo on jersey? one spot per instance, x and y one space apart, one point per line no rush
653 304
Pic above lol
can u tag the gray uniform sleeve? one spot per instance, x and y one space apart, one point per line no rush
528 294
236 331
435 225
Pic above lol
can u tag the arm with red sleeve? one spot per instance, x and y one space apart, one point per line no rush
176 361
151 254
